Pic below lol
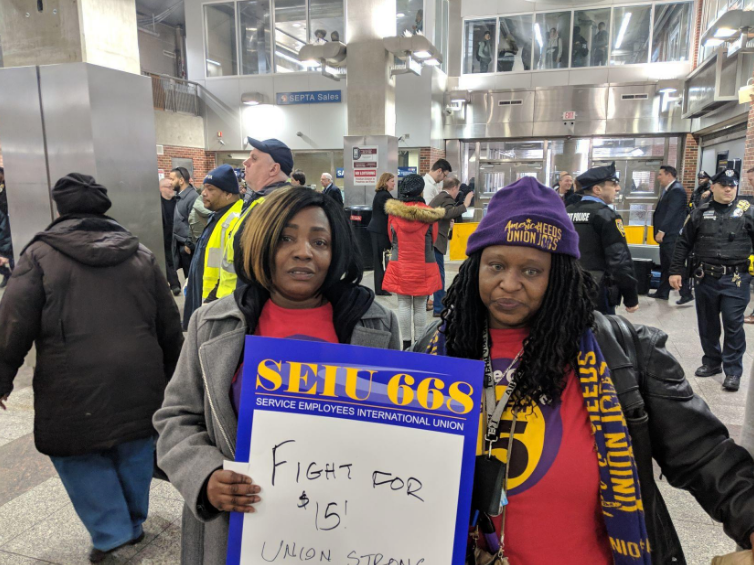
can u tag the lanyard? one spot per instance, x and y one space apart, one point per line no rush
495 410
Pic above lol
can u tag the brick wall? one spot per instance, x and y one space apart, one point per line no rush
748 161
688 171
427 157
697 32
204 161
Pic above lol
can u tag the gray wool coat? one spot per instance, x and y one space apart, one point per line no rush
197 424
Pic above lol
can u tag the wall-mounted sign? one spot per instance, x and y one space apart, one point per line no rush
405 171
570 115
365 165
308 97
340 173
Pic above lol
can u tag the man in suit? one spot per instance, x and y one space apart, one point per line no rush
330 189
668 219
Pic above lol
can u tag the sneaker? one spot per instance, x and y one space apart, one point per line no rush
749 319
685 300
707 371
658 296
732 382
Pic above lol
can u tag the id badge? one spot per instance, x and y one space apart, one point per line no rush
489 475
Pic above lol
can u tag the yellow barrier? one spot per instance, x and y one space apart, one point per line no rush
635 235
461 233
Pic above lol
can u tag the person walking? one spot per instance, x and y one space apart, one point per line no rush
447 201
329 188
167 202
721 235
484 52
412 272
108 336
378 229
602 240
667 221
301 280
576 406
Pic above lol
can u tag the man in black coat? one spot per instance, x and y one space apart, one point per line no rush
6 246
108 337
168 202
667 222
183 246
330 189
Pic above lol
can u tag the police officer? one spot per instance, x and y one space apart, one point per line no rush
602 240
720 233
702 193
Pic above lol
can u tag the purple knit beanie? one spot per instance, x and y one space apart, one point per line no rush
529 214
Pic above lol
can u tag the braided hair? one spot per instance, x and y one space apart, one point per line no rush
555 330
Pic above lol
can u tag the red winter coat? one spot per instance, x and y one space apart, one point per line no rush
412 227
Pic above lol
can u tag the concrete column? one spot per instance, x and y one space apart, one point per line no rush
101 32
371 92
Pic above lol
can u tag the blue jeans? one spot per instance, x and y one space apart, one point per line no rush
109 490
440 294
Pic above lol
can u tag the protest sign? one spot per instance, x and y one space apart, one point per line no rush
364 456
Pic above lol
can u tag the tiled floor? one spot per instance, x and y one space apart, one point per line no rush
38 523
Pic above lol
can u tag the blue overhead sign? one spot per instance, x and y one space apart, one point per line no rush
308 97
405 171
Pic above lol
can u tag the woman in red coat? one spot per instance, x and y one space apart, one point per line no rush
412 273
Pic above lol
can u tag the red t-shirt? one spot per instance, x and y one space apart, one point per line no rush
554 513
311 324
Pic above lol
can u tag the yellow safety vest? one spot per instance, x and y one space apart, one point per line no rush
228 277
216 247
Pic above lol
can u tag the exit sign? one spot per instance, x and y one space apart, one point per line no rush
569 115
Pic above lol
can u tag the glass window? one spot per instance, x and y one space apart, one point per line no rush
672 30
479 46
552 34
220 27
512 150
255 36
290 34
326 20
591 40
630 37
409 16
748 4
514 44
441 30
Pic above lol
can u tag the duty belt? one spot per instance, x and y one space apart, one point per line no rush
718 271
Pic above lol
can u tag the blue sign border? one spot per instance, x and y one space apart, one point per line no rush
387 363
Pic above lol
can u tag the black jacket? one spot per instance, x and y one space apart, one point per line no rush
670 212
106 329
717 234
333 192
378 223
6 247
670 424
603 247
696 196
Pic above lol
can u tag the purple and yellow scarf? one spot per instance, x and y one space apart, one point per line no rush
622 506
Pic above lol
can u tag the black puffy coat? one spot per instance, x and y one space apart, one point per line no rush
106 329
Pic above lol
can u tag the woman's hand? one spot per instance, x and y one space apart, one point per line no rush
232 492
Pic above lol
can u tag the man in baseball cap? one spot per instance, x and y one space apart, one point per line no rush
268 167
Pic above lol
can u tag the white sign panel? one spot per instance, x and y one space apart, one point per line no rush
365 165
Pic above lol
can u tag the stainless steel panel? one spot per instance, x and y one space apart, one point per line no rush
617 108
648 125
21 136
453 155
589 104
100 122
387 162
579 128
482 131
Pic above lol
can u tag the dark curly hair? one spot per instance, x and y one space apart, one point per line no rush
555 330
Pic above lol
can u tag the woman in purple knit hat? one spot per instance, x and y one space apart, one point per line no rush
575 406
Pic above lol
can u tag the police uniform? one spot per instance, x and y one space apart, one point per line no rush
721 238
602 243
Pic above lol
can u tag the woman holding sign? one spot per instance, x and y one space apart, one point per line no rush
576 405
302 281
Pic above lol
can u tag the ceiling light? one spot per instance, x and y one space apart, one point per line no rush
724 32
668 90
422 54
713 42
253 99
296 25
213 62
623 28
432 62
458 101
401 15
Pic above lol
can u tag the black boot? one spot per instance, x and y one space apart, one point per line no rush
708 371
732 382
